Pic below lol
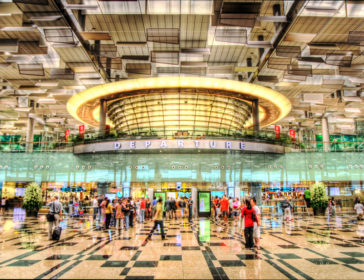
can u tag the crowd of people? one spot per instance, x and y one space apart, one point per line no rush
124 212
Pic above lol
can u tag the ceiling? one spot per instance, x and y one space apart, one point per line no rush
310 51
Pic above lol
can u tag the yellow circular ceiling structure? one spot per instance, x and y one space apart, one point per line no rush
166 105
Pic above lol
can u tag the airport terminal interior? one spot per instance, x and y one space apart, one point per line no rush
181 139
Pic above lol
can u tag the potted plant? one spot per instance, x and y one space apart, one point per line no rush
319 199
32 199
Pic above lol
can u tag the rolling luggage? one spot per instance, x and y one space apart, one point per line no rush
56 235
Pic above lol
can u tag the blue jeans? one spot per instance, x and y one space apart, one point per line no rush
141 215
126 221
96 209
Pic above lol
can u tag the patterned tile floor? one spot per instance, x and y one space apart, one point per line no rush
308 248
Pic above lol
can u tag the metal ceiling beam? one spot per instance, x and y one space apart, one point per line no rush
291 16
76 28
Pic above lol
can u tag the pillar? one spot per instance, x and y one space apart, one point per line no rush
325 134
195 201
255 190
29 136
255 114
150 194
237 192
102 116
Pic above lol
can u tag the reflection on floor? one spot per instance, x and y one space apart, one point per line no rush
308 248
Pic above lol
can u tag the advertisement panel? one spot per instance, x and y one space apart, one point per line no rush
277 131
204 204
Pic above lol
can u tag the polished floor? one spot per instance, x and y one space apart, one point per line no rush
308 248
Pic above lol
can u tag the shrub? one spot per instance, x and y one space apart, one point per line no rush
319 198
32 197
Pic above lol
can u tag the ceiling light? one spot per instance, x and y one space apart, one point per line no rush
47 84
18 28
352 110
46 101
80 7
46 18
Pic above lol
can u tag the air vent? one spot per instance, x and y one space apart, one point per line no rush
35 69
239 14
9 45
115 63
59 35
278 63
237 36
163 35
300 70
338 59
107 50
34 2
167 57
268 79
288 51
311 59
138 68
356 37
136 57
62 74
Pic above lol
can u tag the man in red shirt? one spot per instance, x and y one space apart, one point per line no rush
142 210
225 208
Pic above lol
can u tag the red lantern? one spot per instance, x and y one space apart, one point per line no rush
81 130
66 134
292 133
277 131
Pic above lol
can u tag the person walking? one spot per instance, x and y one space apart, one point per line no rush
142 210
235 212
257 223
190 208
132 211
108 213
167 206
126 210
248 214
55 208
158 220
99 201
225 208
103 205
173 208
359 208
286 206
119 215
95 206
3 205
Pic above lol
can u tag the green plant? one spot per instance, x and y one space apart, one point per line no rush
319 198
32 197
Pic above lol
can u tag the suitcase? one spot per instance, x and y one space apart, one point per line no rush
56 235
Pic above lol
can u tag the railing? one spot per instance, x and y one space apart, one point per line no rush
19 145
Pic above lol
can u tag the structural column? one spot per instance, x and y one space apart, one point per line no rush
29 136
195 201
103 110
325 134
255 114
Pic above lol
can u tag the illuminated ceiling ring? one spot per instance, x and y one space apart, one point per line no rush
85 105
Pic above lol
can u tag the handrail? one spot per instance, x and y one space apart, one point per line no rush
17 145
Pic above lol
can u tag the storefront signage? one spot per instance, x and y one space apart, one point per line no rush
159 145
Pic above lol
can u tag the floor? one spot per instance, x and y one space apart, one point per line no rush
308 248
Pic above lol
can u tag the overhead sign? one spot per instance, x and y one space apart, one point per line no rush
187 145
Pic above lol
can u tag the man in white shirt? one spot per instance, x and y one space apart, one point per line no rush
256 229
359 208
95 206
